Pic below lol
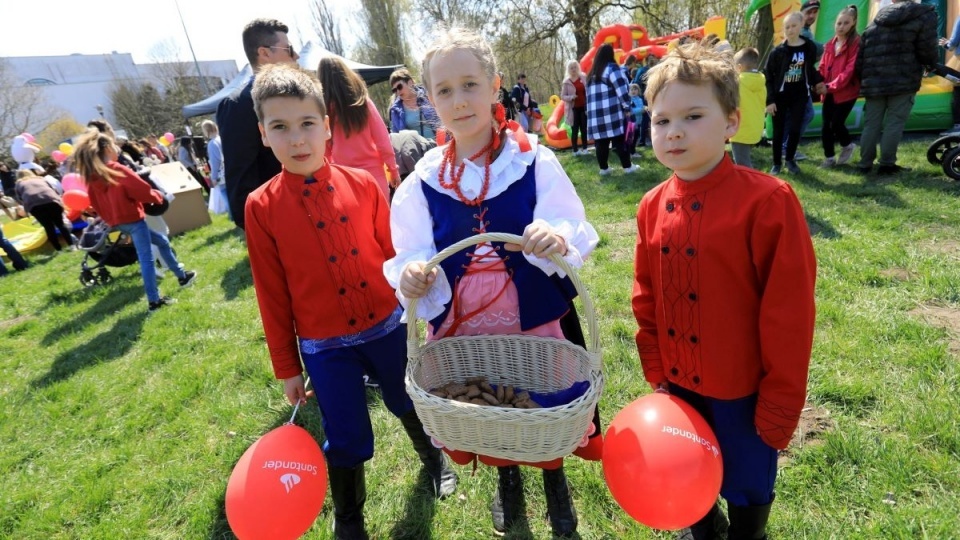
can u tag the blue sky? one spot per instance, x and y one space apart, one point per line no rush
144 29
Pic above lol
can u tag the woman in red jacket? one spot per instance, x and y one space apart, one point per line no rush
118 195
843 87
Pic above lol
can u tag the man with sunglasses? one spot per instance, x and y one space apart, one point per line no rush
411 109
247 163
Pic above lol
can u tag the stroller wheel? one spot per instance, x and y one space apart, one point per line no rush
951 163
104 276
87 279
939 148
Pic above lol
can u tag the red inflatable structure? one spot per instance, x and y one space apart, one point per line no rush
627 40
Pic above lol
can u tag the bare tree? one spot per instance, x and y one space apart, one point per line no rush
326 26
22 107
480 15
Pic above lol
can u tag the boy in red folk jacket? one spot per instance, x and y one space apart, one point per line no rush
317 236
724 285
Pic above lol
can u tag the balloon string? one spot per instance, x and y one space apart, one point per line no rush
297 406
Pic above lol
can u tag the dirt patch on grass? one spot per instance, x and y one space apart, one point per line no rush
814 422
899 274
944 317
14 321
945 246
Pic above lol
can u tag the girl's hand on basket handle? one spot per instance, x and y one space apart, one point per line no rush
295 390
539 240
414 282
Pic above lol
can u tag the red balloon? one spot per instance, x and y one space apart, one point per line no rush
662 462
76 199
277 488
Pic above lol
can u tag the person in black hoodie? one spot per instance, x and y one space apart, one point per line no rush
895 50
791 79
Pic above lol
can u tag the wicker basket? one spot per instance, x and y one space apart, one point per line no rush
529 362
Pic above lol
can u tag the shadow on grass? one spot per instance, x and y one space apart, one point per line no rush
220 237
421 506
106 347
236 279
864 187
113 302
821 227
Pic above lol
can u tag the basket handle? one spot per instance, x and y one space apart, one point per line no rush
593 337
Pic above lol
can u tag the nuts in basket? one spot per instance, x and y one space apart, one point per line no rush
478 391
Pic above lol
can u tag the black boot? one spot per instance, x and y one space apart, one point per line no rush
749 522
563 516
712 526
436 464
349 492
507 505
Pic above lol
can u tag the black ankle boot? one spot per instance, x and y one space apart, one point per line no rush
712 526
441 473
563 516
507 505
749 522
349 492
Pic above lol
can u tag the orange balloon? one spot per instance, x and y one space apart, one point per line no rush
662 462
277 488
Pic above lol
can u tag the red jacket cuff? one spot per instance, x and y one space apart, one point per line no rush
775 425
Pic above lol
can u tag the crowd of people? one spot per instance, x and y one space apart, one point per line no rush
338 245
885 66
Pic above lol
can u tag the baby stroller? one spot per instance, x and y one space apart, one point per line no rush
105 246
945 151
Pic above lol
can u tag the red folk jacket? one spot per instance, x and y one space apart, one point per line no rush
317 247
724 292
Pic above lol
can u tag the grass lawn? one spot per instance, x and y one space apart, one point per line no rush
114 424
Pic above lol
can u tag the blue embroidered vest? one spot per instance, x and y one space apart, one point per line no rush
542 298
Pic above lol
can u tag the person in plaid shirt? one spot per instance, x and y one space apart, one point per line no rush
608 100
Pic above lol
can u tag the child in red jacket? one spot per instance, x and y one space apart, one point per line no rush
318 235
842 87
118 195
724 285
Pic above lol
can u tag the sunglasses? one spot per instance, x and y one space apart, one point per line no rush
398 88
288 48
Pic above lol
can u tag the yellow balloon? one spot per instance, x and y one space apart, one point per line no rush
163 141
66 148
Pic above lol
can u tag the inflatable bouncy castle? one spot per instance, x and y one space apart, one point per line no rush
627 40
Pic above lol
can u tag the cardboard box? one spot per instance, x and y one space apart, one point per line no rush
188 210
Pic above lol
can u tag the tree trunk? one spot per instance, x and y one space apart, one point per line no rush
764 32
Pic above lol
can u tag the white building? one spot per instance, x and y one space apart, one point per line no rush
80 84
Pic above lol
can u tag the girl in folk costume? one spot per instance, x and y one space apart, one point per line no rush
842 86
492 177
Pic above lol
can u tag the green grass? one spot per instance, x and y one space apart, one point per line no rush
114 424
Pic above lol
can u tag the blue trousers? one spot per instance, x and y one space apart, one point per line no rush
143 237
15 257
337 379
749 465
